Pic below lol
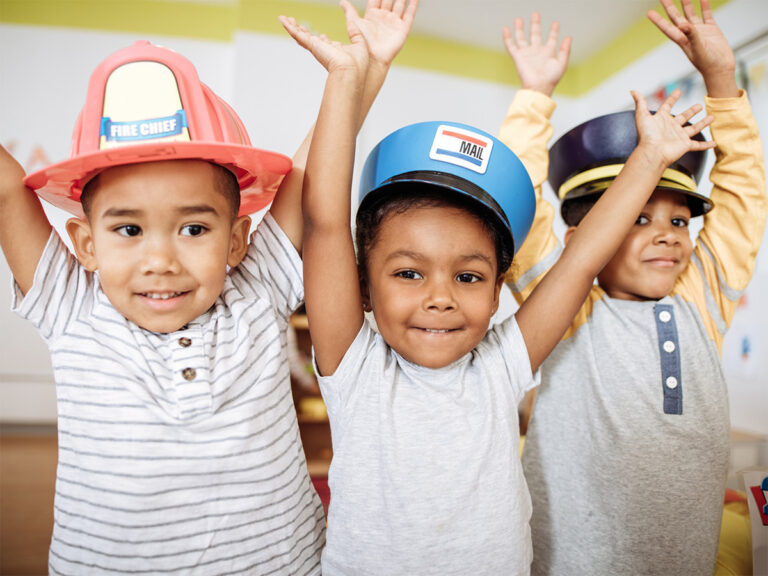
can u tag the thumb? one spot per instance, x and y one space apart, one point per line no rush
641 106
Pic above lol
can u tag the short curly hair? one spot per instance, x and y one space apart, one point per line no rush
399 198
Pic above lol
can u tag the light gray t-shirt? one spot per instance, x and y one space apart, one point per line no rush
426 476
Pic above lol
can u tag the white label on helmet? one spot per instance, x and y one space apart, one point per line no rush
461 147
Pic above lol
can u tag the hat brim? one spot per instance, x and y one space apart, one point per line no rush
697 203
446 183
259 172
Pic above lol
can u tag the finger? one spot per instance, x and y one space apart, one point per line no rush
351 15
372 5
410 13
535 28
690 112
672 12
686 115
670 31
398 8
699 126
667 105
698 145
690 11
565 50
641 106
554 32
292 28
509 44
706 13
520 33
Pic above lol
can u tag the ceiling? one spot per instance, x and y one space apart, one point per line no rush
479 22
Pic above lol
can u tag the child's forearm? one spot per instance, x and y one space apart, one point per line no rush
331 284
374 80
24 227
721 84
286 208
327 183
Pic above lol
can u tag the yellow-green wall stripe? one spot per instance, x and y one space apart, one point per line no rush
218 21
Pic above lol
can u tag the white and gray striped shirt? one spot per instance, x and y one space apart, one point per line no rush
178 453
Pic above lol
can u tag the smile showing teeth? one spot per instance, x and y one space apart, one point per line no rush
436 331
161 295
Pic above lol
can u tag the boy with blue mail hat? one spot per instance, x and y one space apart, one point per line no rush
426 477
627 450
179 448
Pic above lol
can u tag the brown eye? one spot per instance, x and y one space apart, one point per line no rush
128 230
192 230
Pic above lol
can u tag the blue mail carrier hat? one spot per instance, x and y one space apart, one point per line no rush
456 158
146 103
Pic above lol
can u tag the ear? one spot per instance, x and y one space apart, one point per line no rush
238 242
568 234
82 239
497 292
365 294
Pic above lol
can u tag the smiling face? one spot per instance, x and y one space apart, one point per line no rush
432 283
161 236
654 253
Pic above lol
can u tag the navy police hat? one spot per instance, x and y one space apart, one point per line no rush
586 159
457 158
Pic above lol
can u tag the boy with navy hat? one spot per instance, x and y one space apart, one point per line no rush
628 446
426 477
179 450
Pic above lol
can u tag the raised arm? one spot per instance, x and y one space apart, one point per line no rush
386 26
24 227
727 245
527 130
331 286
662 139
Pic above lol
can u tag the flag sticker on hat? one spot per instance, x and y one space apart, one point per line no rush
461 147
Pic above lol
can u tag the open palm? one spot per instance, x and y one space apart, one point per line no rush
331 54
386 26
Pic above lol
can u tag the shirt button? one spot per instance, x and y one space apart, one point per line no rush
669 346
184 342
672 382
189 373
665 316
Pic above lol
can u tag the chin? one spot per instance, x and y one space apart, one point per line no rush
158 326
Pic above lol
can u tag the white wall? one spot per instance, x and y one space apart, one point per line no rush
276 87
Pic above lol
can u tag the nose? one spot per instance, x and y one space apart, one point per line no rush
159 257
439 296
665 233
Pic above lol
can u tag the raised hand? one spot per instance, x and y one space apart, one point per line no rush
385 25
665 138
539 65
702 41
331 54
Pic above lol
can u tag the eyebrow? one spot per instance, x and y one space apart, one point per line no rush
181 210
464 258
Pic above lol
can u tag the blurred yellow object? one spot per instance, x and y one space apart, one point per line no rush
313 407
734 555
